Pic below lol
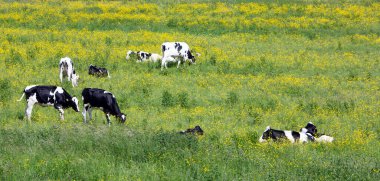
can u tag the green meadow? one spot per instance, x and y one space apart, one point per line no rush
277 63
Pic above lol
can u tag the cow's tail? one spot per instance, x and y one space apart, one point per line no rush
21 97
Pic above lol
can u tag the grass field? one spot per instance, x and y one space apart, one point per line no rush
277 63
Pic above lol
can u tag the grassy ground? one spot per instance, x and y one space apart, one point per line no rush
268 63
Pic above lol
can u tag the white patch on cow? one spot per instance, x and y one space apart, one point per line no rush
303 136
29 87
30 103
128 54
75 100
289 135
261 138
59 90
106 92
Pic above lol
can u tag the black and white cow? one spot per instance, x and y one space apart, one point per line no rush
142 56
293 136
48 96
176 52
98 71
66 68
99 98
148 57
197 130
312 129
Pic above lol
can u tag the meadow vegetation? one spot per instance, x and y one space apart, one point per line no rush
277 63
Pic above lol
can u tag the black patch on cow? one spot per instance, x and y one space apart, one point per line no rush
296 135
178 46
311 128
163 48
273 134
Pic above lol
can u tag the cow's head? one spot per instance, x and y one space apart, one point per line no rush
192 58
311 128
130 54
74 79
198 130
122 117
75 104
266 134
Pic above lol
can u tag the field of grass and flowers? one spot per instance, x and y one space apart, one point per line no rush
277 63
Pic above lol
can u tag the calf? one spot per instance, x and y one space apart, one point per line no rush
176 52
48 96
293 136
98 71
99 98
312 129
197 130
148 57
66 68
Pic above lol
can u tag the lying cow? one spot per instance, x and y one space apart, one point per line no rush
142 56
293 136
99 98
312 129
48 96
148 57
197 130
66 68
98 71
176 52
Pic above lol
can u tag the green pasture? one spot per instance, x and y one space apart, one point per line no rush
277 63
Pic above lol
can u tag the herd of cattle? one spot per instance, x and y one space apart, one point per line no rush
98 98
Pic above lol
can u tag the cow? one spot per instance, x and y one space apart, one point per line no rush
293 136
48 96
99 98
66 68
176 52
197 130
148 57
98 71
312 129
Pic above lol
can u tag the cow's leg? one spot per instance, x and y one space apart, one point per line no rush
30 103
61 113
179 62
163 63
28 110
108 119
89 110
85 107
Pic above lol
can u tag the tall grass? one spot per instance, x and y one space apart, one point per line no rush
273 63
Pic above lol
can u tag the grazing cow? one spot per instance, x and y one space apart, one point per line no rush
312 129
197 130
99 98
131 55
48 96
293 136
176 52
66 68
98 71
145 57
